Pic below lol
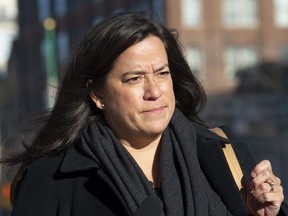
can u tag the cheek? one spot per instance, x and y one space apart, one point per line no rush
124 101
168 88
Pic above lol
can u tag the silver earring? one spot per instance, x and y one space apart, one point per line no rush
102 106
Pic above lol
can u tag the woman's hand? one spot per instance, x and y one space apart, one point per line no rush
266 193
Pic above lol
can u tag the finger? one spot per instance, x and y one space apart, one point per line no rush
273 198
265 180
265 176
260 167
266 188
263 199
259 191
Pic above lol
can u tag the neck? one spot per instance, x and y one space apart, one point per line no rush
141 144
147 158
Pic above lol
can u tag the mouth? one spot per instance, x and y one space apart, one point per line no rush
155 110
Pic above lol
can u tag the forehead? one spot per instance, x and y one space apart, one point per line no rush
151 51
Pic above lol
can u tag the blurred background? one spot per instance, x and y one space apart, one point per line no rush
237 48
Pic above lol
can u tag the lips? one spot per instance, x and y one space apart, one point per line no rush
155 110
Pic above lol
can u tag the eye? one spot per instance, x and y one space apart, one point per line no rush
132 80
164 73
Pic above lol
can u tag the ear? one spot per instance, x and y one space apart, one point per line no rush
97 99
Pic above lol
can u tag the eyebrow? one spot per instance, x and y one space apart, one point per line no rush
143 72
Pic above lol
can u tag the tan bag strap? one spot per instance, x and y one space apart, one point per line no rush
231 158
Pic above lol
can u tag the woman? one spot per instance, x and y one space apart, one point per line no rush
124 137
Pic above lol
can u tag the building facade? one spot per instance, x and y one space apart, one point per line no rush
222 36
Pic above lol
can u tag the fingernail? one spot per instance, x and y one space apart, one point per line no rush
253 174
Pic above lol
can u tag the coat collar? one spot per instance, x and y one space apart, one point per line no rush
205 134
75 161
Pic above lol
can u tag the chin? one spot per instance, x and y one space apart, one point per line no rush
155 130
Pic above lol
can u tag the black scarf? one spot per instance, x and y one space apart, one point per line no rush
184 188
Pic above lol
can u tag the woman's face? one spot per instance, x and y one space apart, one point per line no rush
138 97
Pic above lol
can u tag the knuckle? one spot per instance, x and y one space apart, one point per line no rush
258 166
280 189
262 187
269 163
278 180
265 196
254 183
282 198
266 173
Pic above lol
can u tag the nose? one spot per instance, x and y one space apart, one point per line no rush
152 90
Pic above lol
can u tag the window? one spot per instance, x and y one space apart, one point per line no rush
2 12
61 7
284 53
5 50
8 10
191 13
237 58
195 60
63 45
240 13
281 13
43 10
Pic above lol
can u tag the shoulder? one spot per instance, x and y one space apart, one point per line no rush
47 190
44 168
39 174
38 189
209 142
205 134
223 134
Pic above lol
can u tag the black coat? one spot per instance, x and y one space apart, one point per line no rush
69 184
